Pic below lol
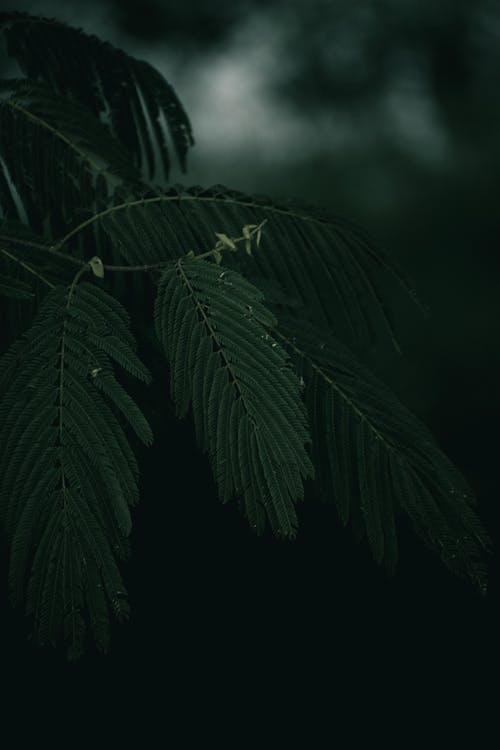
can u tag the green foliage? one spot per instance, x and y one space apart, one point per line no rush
324 263
140 105
247 410
375 458
251 301
68 474
56 154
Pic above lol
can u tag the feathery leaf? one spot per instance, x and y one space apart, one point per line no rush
54 152
217 336
67 472
139 102
377 458
320 262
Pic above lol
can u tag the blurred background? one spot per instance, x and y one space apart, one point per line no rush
387 113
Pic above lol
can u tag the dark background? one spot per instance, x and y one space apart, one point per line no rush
388 113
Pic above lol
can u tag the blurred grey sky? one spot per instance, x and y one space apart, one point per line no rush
272 88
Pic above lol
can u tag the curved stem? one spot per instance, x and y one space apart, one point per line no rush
109 267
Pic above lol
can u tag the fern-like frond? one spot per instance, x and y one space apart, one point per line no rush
375 458
67 472
245 397
320 262
57 158
142 107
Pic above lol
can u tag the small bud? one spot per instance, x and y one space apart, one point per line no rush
97 267
225 241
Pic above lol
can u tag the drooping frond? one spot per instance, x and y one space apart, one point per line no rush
375 458
321 262
142 107
245 397
56 157
67 472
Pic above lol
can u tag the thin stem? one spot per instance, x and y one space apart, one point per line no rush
186 197
27 268
334 385
28 243
99 215
212 332
70 295
77 261
113 268
11 103
83 270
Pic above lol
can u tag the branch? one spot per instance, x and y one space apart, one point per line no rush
224 243
27 267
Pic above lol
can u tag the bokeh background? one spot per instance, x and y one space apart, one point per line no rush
387 113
